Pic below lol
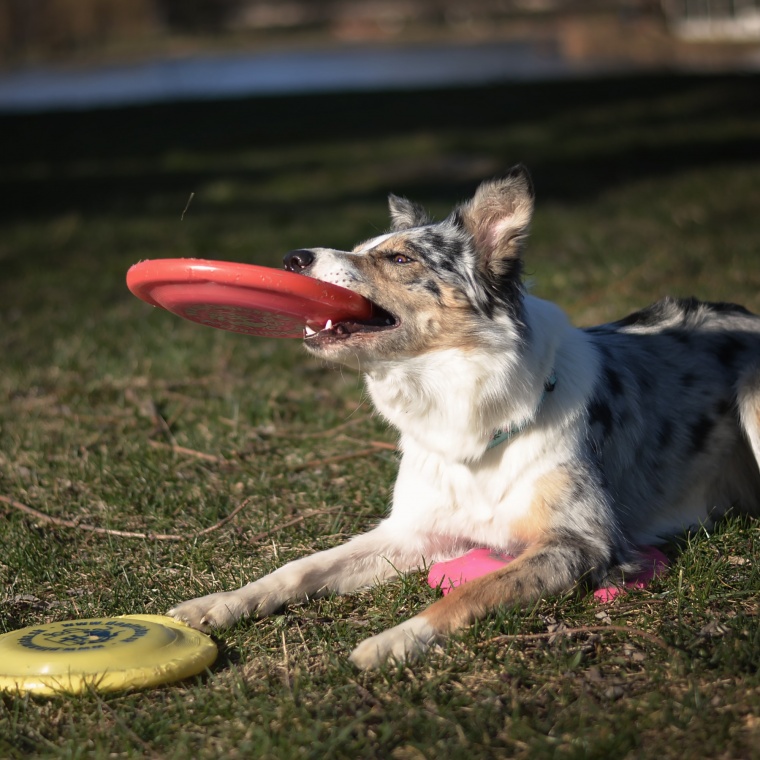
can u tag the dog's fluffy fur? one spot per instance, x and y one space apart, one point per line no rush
653 425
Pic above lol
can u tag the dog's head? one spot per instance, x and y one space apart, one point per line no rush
435 285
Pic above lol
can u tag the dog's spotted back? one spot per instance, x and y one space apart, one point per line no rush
672 417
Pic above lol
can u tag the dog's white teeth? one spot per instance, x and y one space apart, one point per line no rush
308 332
328 326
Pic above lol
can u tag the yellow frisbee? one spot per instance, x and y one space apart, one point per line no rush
105 654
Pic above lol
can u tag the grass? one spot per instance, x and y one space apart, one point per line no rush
646 186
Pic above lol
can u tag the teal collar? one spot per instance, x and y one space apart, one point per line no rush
502 435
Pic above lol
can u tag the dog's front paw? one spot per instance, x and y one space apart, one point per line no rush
213 611
402 643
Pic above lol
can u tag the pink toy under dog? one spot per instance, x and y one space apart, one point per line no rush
449 575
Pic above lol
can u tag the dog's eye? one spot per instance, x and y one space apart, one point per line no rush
400 258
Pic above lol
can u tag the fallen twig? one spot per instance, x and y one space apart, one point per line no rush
239 508
294 521
323 433
582 629
67 523
332 460
187 206
383 445
177 449
376 444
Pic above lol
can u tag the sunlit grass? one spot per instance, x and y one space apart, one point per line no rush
122 417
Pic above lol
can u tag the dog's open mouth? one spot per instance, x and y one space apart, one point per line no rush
380 321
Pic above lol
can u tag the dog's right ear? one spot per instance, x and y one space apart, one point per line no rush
405 214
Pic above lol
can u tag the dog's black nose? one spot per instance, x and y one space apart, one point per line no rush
297 261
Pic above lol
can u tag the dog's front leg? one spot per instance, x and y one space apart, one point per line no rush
550 568
364 561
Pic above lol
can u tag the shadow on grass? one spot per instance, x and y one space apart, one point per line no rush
579 139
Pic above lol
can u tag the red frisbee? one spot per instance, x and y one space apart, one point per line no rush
244 298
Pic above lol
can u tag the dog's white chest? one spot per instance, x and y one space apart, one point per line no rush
479 503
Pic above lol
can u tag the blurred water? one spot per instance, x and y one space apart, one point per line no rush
239 75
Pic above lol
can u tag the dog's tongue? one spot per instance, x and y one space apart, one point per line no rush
380 320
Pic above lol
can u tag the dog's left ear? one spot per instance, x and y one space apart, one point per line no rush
498 218
405 214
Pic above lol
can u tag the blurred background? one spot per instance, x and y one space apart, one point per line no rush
239 47
647 30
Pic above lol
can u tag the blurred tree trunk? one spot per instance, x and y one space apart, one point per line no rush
30 28
198 15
